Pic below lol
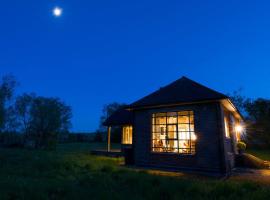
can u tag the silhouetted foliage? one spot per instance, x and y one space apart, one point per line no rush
107 111
42 119
257 119
258 122
31 120
23 107
239 100
7 87
99 137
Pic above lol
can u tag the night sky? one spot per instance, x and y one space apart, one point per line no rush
103 51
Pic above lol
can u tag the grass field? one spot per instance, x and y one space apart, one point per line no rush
71 172
263 154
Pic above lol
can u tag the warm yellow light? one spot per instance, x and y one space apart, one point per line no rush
239 128
194 137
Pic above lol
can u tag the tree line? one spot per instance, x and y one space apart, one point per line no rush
256 113
29 120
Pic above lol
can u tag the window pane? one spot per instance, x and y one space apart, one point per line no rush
127 135
157 143
165 145
172 120
172 128
173 132
170 144
183 135
156 136
191 127
191 117
172 135
161 120
183 119
183 127
160 128
172 117
184 144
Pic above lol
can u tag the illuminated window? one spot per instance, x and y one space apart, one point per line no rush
226 124
127 135
173 132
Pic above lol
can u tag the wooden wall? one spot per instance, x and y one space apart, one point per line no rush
209 155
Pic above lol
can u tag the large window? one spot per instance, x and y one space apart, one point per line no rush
127 135
173 132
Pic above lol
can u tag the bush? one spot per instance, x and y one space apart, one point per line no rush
98 137
11 140
241 146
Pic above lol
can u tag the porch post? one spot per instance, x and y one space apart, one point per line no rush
109 139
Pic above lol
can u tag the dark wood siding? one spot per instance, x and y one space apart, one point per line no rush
209 155
230 143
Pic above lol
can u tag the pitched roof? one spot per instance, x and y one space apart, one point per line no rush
119 117
182 90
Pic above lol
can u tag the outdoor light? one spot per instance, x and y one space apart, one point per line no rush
239 128
194 137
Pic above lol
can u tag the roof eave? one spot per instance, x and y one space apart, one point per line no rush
174 104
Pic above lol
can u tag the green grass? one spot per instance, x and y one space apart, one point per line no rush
71 172
84 147
262 154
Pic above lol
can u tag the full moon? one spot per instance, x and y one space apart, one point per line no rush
57 12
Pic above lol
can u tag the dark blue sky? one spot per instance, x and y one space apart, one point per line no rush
102 51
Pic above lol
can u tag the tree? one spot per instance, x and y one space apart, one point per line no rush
23 107
42 119
7 87
258 126
98 137
49 117
107 111
257 118
239 100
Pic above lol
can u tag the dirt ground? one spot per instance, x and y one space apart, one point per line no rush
239 174
260 176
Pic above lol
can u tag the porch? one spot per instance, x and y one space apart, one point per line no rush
121 118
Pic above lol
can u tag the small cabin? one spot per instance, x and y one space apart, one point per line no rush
183 126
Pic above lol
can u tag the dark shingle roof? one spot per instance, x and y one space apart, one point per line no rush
119 117
182 90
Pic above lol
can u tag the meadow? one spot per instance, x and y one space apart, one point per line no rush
71 172
263 154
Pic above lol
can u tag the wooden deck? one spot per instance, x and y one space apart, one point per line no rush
113 153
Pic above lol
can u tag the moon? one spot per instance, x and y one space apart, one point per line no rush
57 12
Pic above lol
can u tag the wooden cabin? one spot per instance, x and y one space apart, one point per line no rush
183 126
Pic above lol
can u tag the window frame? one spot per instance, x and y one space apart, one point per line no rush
191 123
